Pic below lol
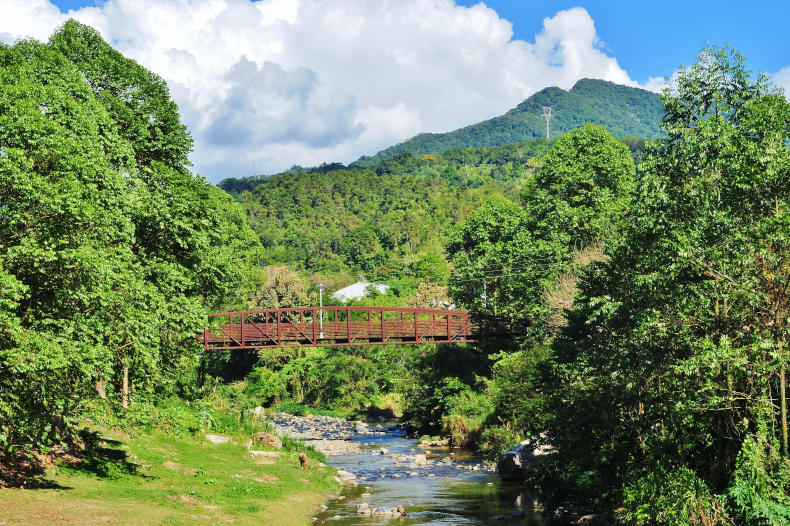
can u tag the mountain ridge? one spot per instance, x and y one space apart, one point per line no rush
622 109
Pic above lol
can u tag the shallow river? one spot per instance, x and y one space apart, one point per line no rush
441 493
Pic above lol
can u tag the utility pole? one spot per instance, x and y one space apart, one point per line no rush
547 116
321 308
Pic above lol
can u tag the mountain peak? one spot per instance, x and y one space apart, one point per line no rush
622 109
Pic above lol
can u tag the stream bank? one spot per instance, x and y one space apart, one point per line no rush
383 471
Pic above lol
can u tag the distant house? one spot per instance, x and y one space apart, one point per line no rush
358 290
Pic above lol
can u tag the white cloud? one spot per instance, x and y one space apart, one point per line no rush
656 84
782 79
281 82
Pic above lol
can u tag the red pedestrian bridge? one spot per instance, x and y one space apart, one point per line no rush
337 326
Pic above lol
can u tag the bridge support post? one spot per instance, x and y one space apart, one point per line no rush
314 324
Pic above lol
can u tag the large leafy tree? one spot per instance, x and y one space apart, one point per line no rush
668 392
507 256
107 242
502 267
138 100
582 189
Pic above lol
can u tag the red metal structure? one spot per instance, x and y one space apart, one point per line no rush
336 326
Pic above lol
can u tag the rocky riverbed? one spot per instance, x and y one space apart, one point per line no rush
337 436
388 476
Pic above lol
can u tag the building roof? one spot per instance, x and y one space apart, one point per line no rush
358 290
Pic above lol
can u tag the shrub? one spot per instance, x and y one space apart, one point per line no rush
496 440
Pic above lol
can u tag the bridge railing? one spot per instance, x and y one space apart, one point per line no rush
336 326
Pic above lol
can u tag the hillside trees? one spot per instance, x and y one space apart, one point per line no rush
678 343
502 267
509 259
575 199
106 242
582 189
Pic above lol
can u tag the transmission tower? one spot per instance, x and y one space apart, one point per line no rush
547 116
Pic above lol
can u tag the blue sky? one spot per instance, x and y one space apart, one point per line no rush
267 84
651 38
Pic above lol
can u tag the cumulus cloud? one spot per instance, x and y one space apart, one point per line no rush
280 82
287 106
782 79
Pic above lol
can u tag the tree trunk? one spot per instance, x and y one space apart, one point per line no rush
125 388
783 408
101 387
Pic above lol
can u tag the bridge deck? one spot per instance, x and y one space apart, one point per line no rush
334 326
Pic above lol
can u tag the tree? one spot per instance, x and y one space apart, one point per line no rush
139 100
502 266
582 189
281 288
666 389
107 243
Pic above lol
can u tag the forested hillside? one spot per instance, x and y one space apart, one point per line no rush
387 222
625 111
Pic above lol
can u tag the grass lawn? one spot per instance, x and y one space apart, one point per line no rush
156 478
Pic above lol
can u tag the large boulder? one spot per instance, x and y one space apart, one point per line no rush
512 464
264 439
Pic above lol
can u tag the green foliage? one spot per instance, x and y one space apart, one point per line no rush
108 243
582 189
267 385
352 220
515 390
663 389
495 440
137 99
623 110
443 379
670 496
760 491
502 267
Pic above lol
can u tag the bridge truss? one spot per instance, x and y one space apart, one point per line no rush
338 326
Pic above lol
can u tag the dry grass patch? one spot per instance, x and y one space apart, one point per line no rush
560 296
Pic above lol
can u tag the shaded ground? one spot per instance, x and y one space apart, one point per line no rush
155 478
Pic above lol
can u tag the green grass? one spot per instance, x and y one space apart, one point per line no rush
155 478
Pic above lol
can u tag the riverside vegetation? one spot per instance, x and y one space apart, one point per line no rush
653 277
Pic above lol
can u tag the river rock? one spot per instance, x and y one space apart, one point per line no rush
512 463
384 451
434 443
332 448
398 511
345 475
217 439
264 439
420 460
